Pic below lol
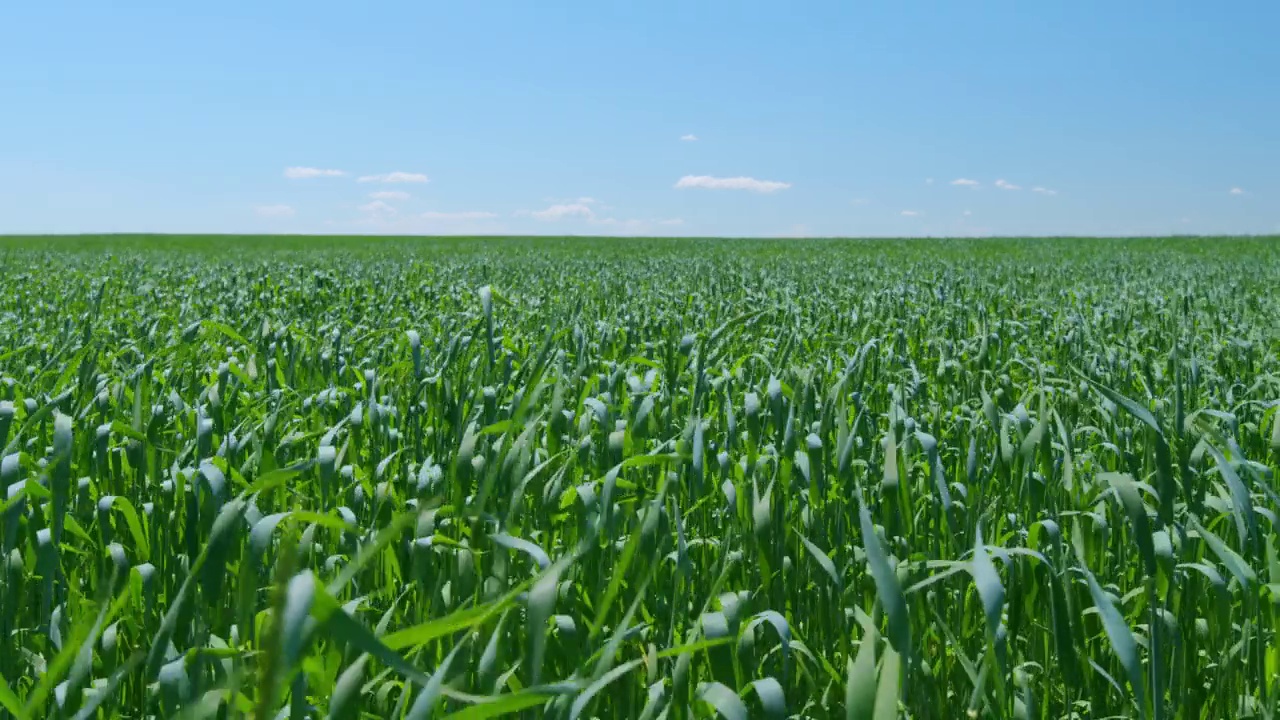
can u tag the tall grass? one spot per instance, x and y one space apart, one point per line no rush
572 479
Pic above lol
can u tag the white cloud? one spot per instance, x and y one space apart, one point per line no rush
394 177
911 213
560 212
466 215
615 222
385 219
1238 191
377 207
967 213
571 201
1006 185
928 181
859 201
389 195
689 138
590 211
965 182
734 183
1043 190
301 173
633 226
276 211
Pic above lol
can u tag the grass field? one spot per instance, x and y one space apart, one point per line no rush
572 478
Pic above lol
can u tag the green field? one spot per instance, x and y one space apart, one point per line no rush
621 478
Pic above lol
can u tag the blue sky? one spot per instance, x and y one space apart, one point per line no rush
739 118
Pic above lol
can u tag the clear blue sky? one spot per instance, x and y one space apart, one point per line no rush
810 118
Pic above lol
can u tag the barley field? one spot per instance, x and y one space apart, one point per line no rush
570 478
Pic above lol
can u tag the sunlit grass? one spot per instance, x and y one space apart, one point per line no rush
339 477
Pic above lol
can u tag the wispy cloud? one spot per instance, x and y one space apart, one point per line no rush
1238 191
1006 185
620 226
465 215
571 201
389 195
377 207
928 181
616 223
276 211
967 213
590 212
689 138
1043 190
708 182
302 173
859 201
394 177
569 210
911 213
379 217
966 182
636 223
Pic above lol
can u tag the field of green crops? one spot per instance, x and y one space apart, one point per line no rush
572 478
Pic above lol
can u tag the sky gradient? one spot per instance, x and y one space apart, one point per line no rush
737 118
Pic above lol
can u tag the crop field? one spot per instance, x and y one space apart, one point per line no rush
625 478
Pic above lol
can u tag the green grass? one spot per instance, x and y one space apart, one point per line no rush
572 477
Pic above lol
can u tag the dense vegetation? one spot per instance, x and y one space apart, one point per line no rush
347 478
